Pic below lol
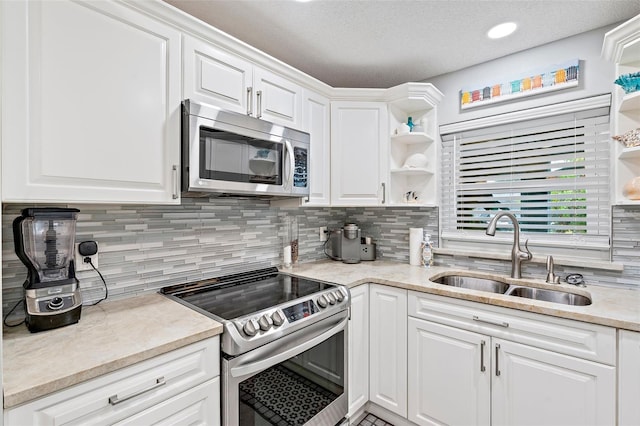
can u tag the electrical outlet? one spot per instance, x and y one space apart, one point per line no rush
81 265
323 234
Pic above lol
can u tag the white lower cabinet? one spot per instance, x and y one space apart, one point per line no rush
359 349
628 378
471 363
449 375
388 348
532 386
176 388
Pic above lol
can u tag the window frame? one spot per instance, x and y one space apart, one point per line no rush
568 245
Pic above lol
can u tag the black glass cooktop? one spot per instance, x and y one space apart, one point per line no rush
242 294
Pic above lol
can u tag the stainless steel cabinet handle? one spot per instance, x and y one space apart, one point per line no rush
497 358
499 324
175 183
249 100
482 345
114 400
384 193
259 98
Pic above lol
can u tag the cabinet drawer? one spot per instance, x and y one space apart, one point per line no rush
123 393
197 406
575 338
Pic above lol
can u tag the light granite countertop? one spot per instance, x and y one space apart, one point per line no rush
610 306
109 336
119 333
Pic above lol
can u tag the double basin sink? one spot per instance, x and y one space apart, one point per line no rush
517 290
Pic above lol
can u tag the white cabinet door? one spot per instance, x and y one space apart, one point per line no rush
450 379
388 348
90 104
277 99
316 121
628 378
220 78
359 136
359 349
216 77
534 386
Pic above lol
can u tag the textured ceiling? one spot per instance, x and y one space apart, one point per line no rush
375 43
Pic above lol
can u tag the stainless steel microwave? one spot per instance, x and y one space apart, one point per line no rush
224 152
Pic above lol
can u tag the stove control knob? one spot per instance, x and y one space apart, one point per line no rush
339 295
265 322
323 301
251 327
332 298
278 318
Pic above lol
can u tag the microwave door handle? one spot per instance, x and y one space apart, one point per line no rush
289 182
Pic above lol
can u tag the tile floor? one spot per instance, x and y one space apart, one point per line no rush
371 420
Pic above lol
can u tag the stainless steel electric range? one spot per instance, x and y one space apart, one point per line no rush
284 346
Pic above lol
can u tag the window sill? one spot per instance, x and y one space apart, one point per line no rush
558 260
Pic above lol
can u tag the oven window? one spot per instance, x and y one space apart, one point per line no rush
234 158
293 392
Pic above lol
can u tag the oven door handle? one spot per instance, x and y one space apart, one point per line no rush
262 364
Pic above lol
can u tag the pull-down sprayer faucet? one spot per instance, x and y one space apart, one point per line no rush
517 254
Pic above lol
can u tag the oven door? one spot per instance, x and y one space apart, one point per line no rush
298 379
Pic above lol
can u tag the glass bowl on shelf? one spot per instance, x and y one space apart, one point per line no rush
629 82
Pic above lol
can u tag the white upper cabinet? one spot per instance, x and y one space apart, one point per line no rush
316 116
622 46
218 77
90 104
214 76
359 137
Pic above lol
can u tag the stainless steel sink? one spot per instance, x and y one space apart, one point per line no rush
549 295
473 283
499 287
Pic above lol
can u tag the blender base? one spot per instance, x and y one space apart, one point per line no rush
36 323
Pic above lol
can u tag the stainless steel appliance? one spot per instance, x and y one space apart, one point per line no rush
284 346
44 241
347 245
228 153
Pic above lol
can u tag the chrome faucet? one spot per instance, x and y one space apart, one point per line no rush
517 254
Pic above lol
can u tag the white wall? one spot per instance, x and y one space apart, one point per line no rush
596 76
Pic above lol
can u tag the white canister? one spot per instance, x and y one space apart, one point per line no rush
415 246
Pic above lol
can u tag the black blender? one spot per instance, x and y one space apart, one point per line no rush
44 241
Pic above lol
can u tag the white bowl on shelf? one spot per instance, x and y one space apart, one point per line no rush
416 161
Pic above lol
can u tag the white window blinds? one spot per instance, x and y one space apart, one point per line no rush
552 173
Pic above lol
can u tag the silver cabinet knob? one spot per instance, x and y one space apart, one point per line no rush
332 298
278 318
339 295
251 327
322 301
265 322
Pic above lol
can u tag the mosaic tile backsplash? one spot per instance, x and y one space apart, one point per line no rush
144 248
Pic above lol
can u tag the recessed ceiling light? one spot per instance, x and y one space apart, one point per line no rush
502 30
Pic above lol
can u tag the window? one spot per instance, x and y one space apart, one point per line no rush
548 166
